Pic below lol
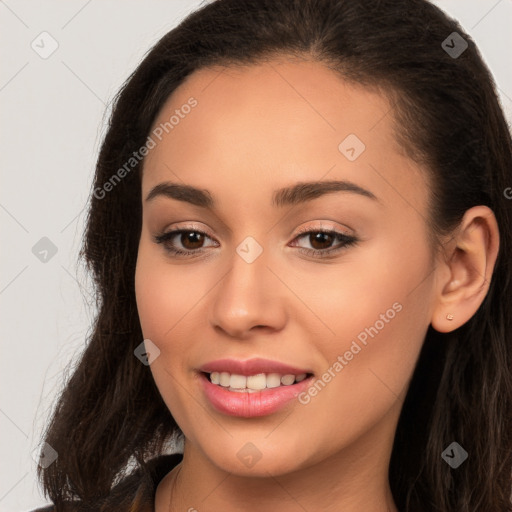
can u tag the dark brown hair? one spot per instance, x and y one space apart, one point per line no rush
110 414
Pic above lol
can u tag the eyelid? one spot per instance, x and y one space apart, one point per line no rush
189 227
328 228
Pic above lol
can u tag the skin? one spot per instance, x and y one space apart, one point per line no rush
256 129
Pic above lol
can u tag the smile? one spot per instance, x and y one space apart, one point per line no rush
253 383
247 402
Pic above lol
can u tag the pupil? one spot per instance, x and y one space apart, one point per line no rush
192 239
317 237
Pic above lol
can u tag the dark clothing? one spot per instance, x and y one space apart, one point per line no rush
159 467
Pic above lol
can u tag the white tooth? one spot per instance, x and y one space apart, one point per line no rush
245 390
215 377
273 380
225 377
257 381
300 377
287 379
237 381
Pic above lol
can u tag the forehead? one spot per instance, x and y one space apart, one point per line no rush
279 121
262 97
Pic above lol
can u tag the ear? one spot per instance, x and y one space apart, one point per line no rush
464 270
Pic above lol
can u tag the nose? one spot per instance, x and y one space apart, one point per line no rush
249 299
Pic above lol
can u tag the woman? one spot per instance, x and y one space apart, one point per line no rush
300 235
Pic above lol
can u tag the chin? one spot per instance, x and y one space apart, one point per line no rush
255 459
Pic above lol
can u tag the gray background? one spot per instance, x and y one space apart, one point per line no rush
54 113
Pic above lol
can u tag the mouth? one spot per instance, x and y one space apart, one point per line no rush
250 396
259 382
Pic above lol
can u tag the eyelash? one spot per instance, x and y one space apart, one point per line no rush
346 241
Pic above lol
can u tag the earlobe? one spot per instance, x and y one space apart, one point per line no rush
464 275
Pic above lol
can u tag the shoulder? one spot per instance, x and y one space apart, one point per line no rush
158 468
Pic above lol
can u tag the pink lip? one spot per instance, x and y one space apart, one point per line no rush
248 405
251 367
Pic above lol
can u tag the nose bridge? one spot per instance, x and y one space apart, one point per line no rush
248 296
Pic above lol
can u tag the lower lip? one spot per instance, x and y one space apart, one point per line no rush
249 405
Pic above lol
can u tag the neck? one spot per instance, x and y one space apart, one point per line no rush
351 479
348 481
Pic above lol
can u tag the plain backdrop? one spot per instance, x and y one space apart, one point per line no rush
53 118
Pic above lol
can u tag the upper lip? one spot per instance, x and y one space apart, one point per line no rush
251 367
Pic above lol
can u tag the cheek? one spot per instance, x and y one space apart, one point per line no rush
151 301
375 308
362 290
165 295
162 307
169 303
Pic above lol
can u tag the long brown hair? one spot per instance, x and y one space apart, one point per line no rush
111 417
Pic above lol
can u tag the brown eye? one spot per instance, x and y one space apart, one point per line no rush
192 239
321 240
184 242
190 242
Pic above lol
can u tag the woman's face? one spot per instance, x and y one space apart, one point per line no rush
352 315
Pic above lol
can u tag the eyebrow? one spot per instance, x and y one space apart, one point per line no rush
299 193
